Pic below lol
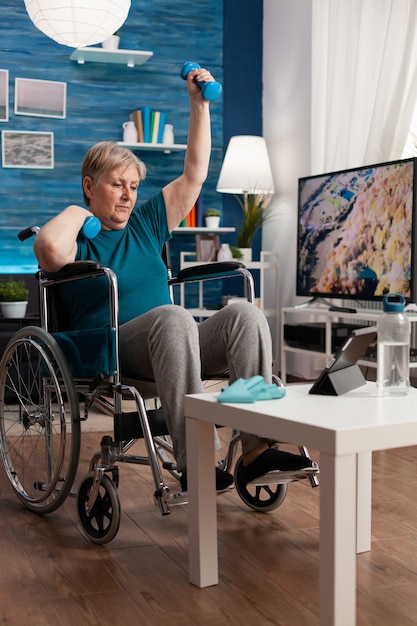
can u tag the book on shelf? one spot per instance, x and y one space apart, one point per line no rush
155 115
150 124
137 118
162 118
146 120
199 211
191 219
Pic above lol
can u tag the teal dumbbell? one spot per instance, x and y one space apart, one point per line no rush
210 90
91 227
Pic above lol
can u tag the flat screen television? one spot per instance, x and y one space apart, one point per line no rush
357 232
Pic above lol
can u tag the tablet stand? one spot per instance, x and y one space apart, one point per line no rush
341 381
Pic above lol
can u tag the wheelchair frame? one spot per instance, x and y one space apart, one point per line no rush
40 434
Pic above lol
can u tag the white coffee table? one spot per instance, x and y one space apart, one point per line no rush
345 430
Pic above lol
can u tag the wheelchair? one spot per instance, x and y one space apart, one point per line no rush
50 377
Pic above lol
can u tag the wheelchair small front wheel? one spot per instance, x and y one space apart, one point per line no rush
261 498
100 522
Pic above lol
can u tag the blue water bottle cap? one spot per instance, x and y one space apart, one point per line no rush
393 303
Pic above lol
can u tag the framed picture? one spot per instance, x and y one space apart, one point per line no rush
41 98
27 149
4 95
207 247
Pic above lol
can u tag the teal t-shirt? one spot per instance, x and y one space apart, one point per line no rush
135 255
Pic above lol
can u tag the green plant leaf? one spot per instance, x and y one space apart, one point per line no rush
13 291
255 214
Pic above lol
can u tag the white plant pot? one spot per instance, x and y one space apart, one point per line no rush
112 43
14 310
212 221
247 255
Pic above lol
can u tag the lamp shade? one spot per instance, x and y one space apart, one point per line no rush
246 167
78 23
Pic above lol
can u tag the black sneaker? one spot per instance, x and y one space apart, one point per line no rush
224 480
273 459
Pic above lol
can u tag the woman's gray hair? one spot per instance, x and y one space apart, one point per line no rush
106 156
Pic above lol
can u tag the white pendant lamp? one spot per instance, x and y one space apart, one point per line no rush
78 23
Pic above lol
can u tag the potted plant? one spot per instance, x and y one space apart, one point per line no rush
212 218
14 296
236 252
255 214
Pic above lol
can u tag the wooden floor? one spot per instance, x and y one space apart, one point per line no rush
51 575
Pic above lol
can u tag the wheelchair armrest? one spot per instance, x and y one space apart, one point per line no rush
76 269
209 270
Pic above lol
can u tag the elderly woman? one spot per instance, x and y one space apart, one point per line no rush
157 338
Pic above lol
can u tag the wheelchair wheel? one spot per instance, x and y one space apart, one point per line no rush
260 498
102 522
39 420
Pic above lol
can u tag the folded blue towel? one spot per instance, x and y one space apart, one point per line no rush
250 390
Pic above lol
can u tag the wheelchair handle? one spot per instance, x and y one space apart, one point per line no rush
28 232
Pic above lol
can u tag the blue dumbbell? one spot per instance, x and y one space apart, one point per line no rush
210 90
91 227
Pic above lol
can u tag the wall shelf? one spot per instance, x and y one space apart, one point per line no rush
156 147
101 55
201 230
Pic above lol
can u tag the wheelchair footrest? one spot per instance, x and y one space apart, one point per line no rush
278 477
181 497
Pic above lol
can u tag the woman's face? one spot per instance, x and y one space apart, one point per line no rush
114 198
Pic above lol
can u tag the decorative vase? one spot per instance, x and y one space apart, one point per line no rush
168 135
225 253
112 43
212 221
14 310
130 133
246 255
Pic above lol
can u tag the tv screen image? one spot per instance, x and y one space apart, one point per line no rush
356 232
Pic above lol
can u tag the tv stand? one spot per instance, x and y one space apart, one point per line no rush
314 302
316 314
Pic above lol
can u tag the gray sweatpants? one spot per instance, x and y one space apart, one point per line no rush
170 346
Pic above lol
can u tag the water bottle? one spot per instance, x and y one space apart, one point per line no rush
225 253
393 378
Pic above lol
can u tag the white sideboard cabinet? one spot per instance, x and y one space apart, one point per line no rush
316 314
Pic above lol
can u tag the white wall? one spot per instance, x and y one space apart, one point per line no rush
286 126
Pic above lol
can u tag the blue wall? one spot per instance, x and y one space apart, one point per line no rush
224 35
242 68
100 98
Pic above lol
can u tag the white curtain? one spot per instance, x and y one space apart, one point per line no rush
364 81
